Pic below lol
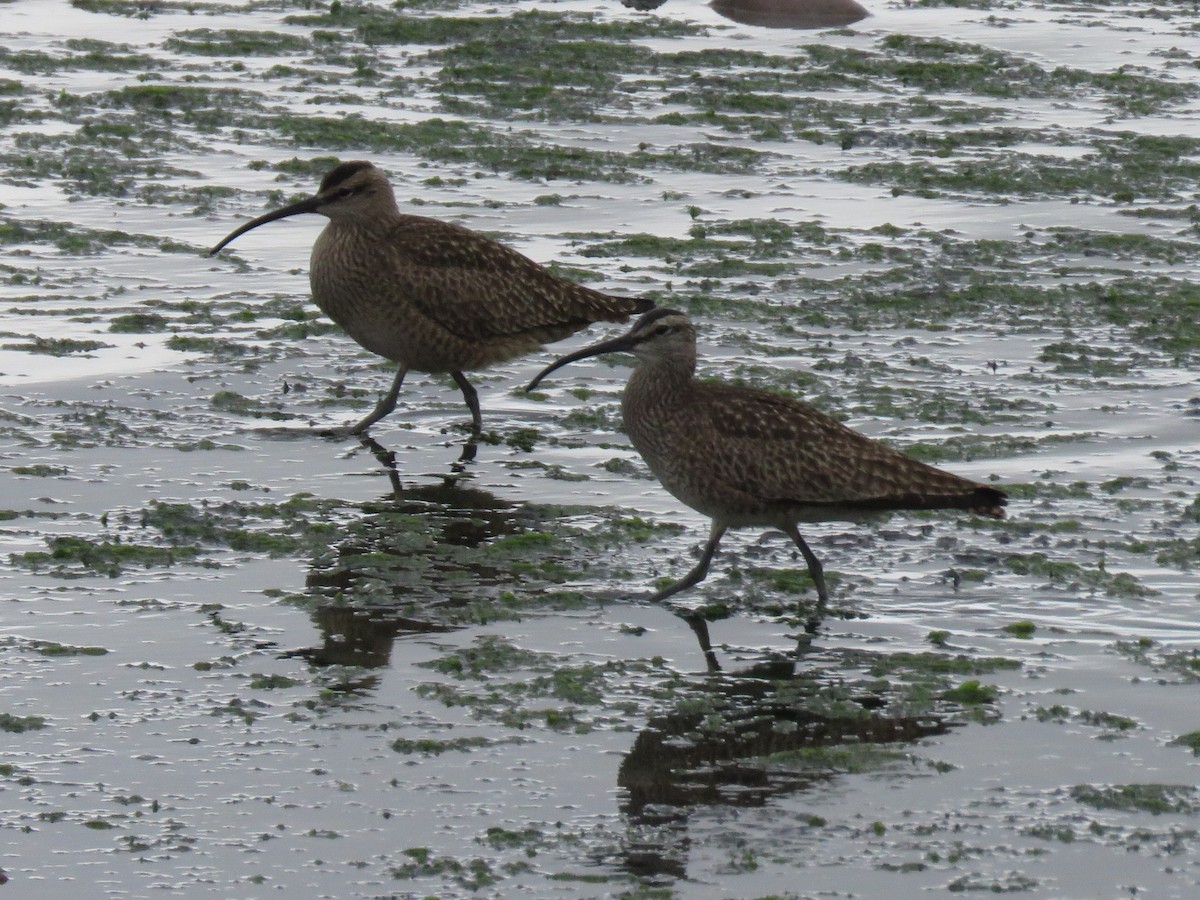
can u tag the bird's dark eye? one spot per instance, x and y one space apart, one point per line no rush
662 329
344 193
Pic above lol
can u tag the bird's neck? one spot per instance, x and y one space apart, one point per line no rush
660 383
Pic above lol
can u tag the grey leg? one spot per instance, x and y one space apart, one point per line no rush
699 627
472 397
387 459
817 571
697 574
386 404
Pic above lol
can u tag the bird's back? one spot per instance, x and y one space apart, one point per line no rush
748 456
440 297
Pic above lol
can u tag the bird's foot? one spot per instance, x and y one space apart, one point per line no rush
470 448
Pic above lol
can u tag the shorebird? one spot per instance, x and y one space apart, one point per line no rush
429 295
747 457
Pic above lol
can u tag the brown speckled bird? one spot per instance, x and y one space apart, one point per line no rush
746 457
430 295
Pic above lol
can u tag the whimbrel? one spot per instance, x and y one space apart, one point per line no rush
431 295
746 457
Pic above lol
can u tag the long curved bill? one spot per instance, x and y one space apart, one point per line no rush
621 344
304 206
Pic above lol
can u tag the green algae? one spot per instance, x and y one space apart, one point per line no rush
939 64
71 556
230 42
1023 630
1191 740
981 446
519 70
1179 553
89 170
1106 720
456 142
89 55
1122 482
53 648
239 405
1086 359
1157 311
631 529
40 470
493 665
489 655
219 348
144 9
377 25
473 875
457 564
1184 664
1074 576
1140 166
522 154
782 88
138 323
19 724
924 665
1152 798
78 240
203 107
1125 246
275 681
789 581
57 346
298 525
1160 312
971 693
287 531
436 747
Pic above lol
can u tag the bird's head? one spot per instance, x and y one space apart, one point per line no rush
349 191
661 334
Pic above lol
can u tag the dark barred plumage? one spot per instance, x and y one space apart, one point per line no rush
747 457
431 295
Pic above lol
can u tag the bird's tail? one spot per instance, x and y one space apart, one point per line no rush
979 499
983 501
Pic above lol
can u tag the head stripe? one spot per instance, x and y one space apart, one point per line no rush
341 172
653 316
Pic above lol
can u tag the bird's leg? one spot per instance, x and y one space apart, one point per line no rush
472 397
387 459
817 571
697 574
385 405
699 626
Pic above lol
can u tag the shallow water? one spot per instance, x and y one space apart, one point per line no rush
237 657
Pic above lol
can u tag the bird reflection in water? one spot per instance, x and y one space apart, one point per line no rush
740 742
388 578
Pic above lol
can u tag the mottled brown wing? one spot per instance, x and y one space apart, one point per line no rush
788 452
478 288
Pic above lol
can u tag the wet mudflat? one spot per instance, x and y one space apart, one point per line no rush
237 657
